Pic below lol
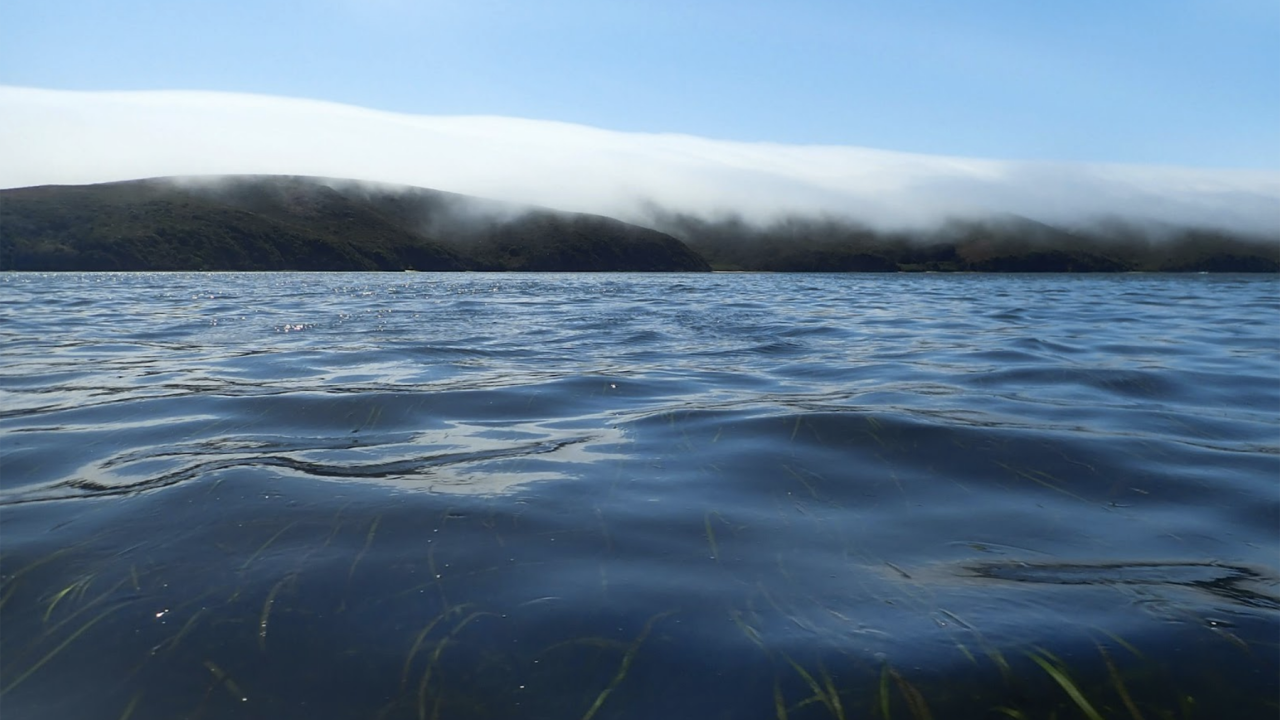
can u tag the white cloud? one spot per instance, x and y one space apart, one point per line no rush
57 137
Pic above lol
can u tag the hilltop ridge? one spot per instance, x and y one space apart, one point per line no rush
999 243
277 222
258 222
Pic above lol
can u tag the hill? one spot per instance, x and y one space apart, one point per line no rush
301 223
1006 243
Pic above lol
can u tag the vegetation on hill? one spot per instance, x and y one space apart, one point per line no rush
1000 244
291 223
297 223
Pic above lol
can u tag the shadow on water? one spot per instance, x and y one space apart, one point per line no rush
1246 586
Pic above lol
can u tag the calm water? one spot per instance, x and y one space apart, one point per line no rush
628 496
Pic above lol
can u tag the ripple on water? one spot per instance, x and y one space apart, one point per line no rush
670 496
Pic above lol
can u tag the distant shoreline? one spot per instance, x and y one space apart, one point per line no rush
300 224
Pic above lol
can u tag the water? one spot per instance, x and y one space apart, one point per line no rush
637 496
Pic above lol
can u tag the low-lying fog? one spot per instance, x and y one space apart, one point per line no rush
60 137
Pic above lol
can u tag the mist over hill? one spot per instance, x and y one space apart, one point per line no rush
72 138
734 205
257 222
300 223
998 243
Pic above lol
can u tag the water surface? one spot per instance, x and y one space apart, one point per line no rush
639 496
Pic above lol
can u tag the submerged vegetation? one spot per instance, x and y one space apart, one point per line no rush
256 524
390 612
254 643
294 223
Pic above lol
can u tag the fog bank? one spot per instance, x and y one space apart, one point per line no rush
58 137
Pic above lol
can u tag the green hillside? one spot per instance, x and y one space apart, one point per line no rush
998 244
294 223
298 223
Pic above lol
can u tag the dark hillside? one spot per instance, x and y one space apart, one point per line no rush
292 223
298 223
999 244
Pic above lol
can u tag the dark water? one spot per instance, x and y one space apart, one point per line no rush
615 496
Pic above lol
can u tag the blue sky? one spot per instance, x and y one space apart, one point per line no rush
1177 82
